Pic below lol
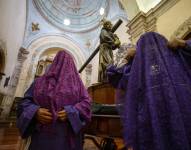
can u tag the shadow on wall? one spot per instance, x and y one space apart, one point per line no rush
13 111
2 66
188 36
1 99
2 63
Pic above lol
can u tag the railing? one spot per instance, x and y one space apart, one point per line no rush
119 22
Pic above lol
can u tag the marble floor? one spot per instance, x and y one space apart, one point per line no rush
10 140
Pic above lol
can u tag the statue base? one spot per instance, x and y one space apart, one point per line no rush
102 93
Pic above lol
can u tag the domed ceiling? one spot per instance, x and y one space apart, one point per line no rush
82 15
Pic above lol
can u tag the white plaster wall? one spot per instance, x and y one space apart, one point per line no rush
12 25
169 22
131 7
146 5
122 34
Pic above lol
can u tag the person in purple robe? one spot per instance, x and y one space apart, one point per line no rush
155 105
56 108
121 70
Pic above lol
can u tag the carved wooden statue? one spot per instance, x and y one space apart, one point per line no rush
108 42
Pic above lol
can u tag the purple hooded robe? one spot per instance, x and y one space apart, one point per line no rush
59 88
156 102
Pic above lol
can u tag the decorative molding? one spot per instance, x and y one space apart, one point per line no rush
140 25
35 27
44 36
145 22
21 57
88 70
37 48
183 30
9 98
84 15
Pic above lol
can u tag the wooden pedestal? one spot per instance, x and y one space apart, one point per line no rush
102 93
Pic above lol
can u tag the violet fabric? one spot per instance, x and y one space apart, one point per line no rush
26 110
67 135
62 86
118 77
157 108
59 135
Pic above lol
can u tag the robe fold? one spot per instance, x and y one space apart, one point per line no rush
65 132
156 103
59 89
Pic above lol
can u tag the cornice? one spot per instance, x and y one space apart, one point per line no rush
145 22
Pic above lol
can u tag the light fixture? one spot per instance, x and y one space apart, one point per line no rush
101 11
67 22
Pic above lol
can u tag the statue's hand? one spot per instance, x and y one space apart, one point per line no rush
117 43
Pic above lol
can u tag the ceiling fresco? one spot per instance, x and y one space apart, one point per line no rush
72 15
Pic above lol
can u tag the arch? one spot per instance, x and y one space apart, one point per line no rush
40 46
183 30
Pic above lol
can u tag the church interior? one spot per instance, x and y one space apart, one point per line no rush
32 32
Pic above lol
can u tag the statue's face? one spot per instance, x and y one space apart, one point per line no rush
108 25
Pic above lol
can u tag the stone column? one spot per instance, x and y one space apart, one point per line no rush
9 97
88 70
